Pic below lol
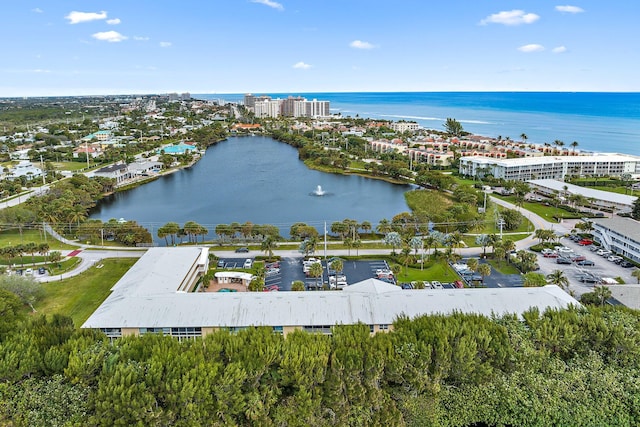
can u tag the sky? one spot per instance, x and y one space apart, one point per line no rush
88 47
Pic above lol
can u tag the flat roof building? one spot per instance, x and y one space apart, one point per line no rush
598 198
155 296
619 235
551 167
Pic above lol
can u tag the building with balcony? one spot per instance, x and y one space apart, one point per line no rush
619 235
551 167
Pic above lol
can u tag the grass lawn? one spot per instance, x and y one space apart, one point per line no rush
12 238
70 166
434 270
79 296
546 212
503 267
619 190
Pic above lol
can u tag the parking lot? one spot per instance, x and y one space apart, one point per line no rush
583 277
290 269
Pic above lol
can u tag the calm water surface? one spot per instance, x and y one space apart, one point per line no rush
254 179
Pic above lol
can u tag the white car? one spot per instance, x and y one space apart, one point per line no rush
603 252
436 285
564 250
614 258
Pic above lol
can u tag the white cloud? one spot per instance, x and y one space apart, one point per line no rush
569 9
78 17
39 71
114 21
510 17
272 4
140 38
37 10
301 65
559 49
109 36
527 48
165 44
359 44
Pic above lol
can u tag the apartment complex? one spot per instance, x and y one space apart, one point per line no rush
551 167
597 198
402 126
619 235
156 296
264 106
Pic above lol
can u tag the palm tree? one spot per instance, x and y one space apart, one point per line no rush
315 271
384 226
430 242
268 245
557 277
31 248
603 293
337 265
297 285
636 273
162 234
484 270
366 227
43 249
472 264
573 145
524 137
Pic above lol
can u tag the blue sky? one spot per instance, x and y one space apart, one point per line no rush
85 47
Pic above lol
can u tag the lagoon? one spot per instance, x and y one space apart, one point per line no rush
254 179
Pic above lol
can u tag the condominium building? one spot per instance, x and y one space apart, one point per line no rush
264 106
551 167
619 235
267 108
157 296
401 127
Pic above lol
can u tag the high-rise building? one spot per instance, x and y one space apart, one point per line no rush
267 108
290 107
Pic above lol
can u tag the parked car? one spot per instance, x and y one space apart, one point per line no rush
242 250
593 248
563 260
436 285
28 272
626 264
41 271
585 242
603 252
586 263
549 253
587 278
220 263
248 263
577 258
564 250
614 258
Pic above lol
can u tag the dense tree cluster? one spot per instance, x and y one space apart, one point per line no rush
570 367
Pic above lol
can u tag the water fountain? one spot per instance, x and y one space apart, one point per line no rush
319 191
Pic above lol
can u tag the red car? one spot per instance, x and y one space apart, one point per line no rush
585 242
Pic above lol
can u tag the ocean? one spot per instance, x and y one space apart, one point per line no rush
599 122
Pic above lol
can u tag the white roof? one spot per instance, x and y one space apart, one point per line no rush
624 226
133 305
620 199
522 161
234 275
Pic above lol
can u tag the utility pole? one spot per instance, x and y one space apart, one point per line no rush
86 149
43 173
325 241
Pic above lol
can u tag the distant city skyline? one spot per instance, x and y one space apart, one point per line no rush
296 46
